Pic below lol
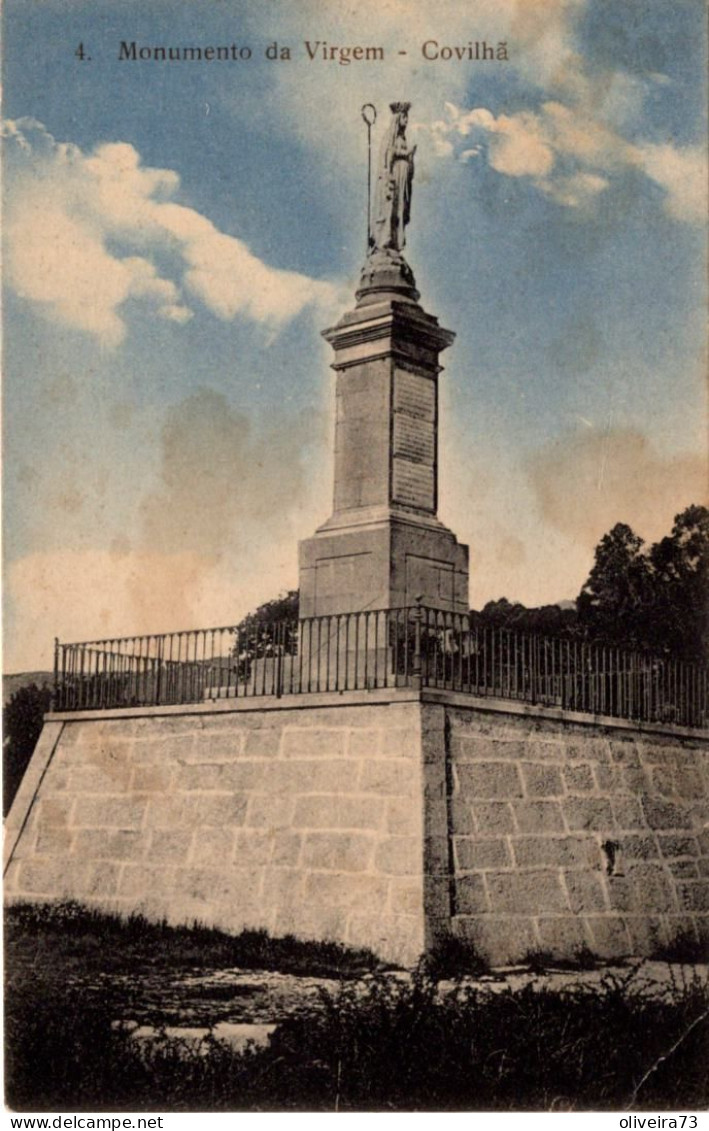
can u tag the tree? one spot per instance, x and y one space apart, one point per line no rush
612 604
545 620
653 597
282 609
271 628
680 563
23 718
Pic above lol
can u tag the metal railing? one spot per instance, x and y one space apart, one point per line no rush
410 647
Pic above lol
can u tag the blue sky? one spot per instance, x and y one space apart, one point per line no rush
177 236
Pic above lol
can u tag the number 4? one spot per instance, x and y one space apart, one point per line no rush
80 53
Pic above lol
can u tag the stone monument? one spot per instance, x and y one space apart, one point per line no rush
390 814
384 547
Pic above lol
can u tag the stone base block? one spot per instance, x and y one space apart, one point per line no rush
386 563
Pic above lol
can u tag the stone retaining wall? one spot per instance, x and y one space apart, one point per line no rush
383 819
567 836
304 820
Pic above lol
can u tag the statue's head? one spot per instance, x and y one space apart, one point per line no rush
401 111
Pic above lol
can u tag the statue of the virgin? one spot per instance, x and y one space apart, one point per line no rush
392 193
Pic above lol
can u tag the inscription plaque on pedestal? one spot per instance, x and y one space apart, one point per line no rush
413 478
414 395
414 438
413 484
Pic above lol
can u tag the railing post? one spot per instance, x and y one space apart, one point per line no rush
158 676
55 689
279 637
416 666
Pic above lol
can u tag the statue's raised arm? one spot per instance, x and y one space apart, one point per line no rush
392 192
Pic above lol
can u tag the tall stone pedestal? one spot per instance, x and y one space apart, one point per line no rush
383 546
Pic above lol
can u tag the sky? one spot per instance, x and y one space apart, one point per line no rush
178 234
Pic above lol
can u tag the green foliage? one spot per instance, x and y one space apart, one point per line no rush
283 609
685 947
680 566
391 1044
654 597
546 620
542 961
613 602
22 721
538 961
404 1046
86 939
636 596
271 630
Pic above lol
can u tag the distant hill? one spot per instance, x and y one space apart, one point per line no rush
12 683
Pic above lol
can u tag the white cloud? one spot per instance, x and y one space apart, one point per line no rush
574 133
539 34
212 533
224 274
682 173
176 313
576 190
516 143
59 263
544 31
519 147
572 143
571 155
67 212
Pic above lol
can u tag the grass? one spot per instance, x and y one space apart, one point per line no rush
542 961
387 1045
87 940
378 1042
685 947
